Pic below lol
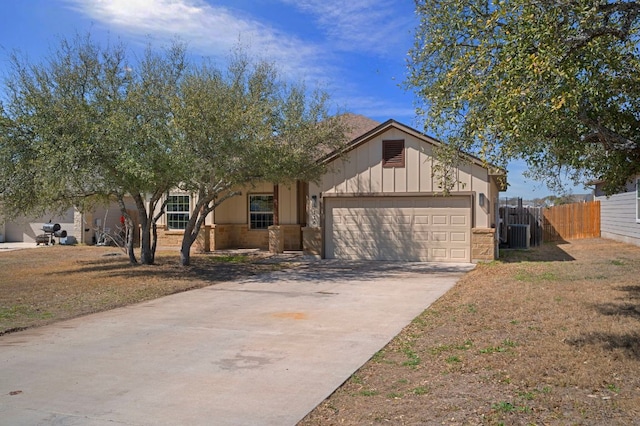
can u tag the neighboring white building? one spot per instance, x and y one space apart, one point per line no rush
620 213
83 227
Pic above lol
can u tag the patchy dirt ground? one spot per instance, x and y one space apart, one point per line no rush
549 336
52 283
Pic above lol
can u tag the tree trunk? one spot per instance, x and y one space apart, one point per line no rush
129 239
129 231
191 232
204 206
185 250
276 204
147 255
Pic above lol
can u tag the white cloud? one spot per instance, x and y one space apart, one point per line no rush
370 26
208 30
365 27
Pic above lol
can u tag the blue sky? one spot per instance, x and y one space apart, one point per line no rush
354 49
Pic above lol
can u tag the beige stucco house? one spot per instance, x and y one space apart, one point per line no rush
379 200
80 227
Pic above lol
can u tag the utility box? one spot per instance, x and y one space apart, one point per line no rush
518 236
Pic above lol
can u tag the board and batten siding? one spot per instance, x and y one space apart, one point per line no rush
360 172
235 210
618 217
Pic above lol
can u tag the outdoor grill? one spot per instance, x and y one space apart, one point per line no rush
51 230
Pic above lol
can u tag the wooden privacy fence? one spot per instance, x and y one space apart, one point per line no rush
565 222
571 221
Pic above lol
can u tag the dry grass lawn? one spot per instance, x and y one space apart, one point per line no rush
548 336
52 283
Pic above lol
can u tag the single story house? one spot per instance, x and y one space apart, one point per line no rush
379 200
620 213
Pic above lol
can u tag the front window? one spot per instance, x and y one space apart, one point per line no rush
260 211
178 211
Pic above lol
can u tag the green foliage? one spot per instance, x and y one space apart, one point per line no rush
504 347
379 356
243 125
230 258
503 406
550 82
421 390
24 311
413 360
87 125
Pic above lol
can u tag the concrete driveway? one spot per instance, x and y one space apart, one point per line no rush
262 351
17 246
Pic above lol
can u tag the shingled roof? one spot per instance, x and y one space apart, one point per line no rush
358 125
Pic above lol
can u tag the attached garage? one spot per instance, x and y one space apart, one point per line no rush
384 198
26 229
421 228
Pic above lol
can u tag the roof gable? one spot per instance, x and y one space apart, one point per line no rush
391 123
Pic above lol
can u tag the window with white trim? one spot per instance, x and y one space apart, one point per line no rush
260 211
177 210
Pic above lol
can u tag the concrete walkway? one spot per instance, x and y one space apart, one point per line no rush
262 351
17 246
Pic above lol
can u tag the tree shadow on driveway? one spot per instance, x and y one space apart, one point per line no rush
338 270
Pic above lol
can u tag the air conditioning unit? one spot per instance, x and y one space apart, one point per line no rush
518 236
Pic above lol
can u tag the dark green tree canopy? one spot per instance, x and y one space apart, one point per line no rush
554 82
243 125
93 122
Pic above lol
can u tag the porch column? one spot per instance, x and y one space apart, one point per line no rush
276 237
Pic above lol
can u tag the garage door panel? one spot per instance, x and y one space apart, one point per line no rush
378 240
458 220
439 253
458 254
404 220
440 236
421 219
377 220
439 220
392 228
421 236
458 236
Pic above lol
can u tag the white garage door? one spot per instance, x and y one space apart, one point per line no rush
434 229
26 229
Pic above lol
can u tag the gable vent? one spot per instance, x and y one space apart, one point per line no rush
393 153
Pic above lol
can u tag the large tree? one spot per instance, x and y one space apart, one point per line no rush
554 82
243 125
89 125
